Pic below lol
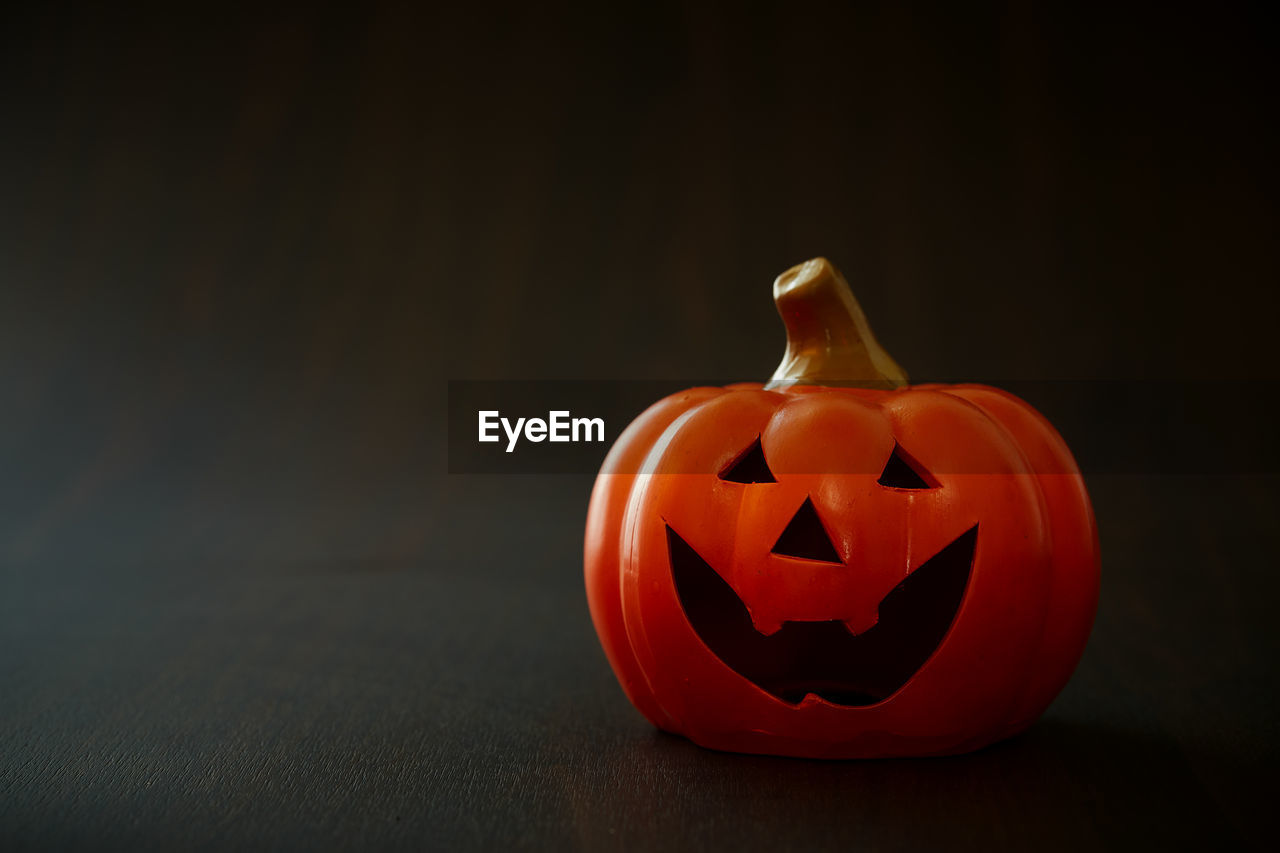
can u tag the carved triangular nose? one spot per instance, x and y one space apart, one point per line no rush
805 537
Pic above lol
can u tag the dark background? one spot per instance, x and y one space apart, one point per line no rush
242 252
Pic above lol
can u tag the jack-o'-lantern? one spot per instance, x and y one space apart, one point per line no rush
839 564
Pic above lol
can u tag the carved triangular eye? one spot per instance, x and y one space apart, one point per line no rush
903 472
749 467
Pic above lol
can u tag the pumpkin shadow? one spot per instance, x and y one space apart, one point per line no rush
1060 785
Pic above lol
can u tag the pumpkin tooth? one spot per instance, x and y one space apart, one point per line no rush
858 626
767 627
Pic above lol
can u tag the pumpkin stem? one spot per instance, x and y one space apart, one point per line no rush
829 341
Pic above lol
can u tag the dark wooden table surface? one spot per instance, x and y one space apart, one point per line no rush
460 700
243 251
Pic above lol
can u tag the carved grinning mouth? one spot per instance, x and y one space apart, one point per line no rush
824 658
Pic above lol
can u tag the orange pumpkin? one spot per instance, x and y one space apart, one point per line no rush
838 564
